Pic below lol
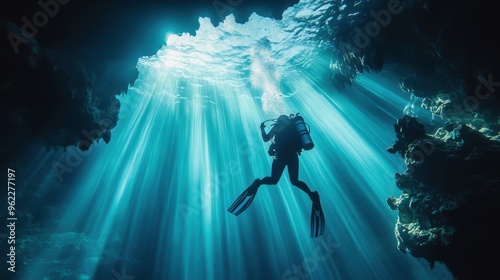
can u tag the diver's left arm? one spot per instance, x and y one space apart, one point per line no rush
266 136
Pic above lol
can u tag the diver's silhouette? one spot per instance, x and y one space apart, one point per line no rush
290 137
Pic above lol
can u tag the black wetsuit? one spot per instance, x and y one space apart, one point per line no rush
287 145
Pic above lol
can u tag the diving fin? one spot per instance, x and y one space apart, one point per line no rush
245 199
317 217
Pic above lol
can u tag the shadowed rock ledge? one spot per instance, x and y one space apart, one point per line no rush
448 211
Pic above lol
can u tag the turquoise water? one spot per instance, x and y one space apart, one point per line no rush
188 143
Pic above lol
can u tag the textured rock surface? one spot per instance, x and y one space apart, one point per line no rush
451 70
448 210
57 99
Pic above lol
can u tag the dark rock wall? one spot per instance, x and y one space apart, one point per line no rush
448 209
450 66
56 100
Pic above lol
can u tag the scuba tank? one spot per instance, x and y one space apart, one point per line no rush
298 124
303 131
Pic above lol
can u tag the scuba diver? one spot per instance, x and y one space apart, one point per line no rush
290 136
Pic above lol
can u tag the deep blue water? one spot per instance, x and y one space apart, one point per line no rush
154 200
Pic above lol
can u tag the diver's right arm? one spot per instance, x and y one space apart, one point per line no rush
266 136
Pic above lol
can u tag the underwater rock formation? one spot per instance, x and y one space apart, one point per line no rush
448 211
443 48
54 99
442 51
451 69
